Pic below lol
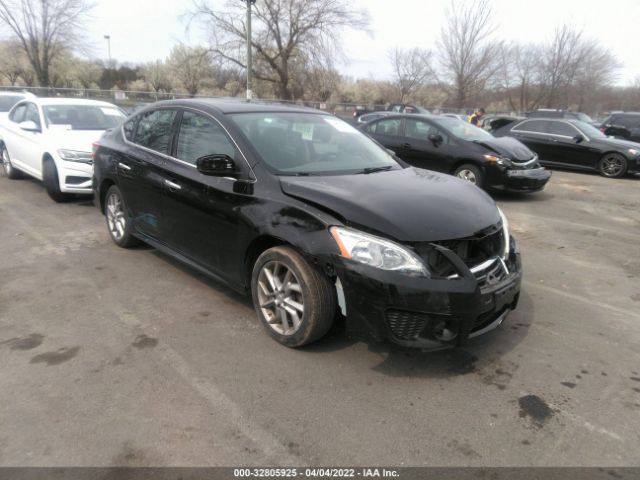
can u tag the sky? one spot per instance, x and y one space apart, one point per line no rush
142 30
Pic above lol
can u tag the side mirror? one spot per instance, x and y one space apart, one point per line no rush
436 138
216 165
579 138
29 126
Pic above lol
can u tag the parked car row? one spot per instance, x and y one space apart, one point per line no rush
297 208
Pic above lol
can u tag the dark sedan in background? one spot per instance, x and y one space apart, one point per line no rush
449 145
575 144
309 215
623 125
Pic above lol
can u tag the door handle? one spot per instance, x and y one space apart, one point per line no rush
406 145
171 185
124 166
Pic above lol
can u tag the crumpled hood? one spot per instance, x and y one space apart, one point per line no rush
508 147
79 140
410 205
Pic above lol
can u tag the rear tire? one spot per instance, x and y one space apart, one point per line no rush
470 173
118 220
52 182
613 165
9 170
293 299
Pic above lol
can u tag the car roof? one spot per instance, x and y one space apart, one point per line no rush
16 93
47 101
233 105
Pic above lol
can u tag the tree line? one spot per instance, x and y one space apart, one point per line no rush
297 53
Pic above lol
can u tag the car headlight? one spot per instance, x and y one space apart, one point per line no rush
505 232
75 156
499 160
377 252
634 151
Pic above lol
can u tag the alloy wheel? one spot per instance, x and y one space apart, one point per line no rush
115 216
612 166
280 297
6 161
467 175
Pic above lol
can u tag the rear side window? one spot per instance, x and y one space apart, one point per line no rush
129 128
562 128
17 114
154 130
201 136
535 126
386 127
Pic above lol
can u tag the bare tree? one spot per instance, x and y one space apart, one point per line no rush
285 32
156 74
522 76
13 64
44 29
469 55
190 65
411 69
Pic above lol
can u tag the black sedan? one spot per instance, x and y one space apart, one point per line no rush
311 217
449 145
575 144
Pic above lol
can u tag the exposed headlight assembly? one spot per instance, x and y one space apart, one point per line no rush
499 160
75 156
377 252
505 231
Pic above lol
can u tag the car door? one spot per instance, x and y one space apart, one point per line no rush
533 133
200 211
141 168
32 141
10 134
387 131
567 150
416 149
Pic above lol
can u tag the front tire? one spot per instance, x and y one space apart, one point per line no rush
470 173
118 220
52 182
9 170
293 299
613 165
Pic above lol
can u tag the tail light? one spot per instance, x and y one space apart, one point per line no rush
94 149
603 129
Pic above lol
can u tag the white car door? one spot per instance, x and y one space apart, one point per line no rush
10 134
31 141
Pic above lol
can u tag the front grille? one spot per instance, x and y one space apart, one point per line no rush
486 244
406 325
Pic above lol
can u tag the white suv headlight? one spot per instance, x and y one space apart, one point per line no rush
75 156
377 252
505 231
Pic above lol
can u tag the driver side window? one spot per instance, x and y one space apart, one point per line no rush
31 114
200 136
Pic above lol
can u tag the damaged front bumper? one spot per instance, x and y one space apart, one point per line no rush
429 313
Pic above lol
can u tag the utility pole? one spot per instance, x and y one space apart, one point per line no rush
249 59
108 39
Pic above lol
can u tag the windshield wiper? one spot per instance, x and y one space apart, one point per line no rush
376 169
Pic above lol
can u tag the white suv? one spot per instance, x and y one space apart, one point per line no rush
51 139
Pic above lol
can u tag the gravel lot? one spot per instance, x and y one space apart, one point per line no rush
124 357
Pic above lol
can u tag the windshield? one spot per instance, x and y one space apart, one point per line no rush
311 144
463 130
589 130
8 101
82 117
